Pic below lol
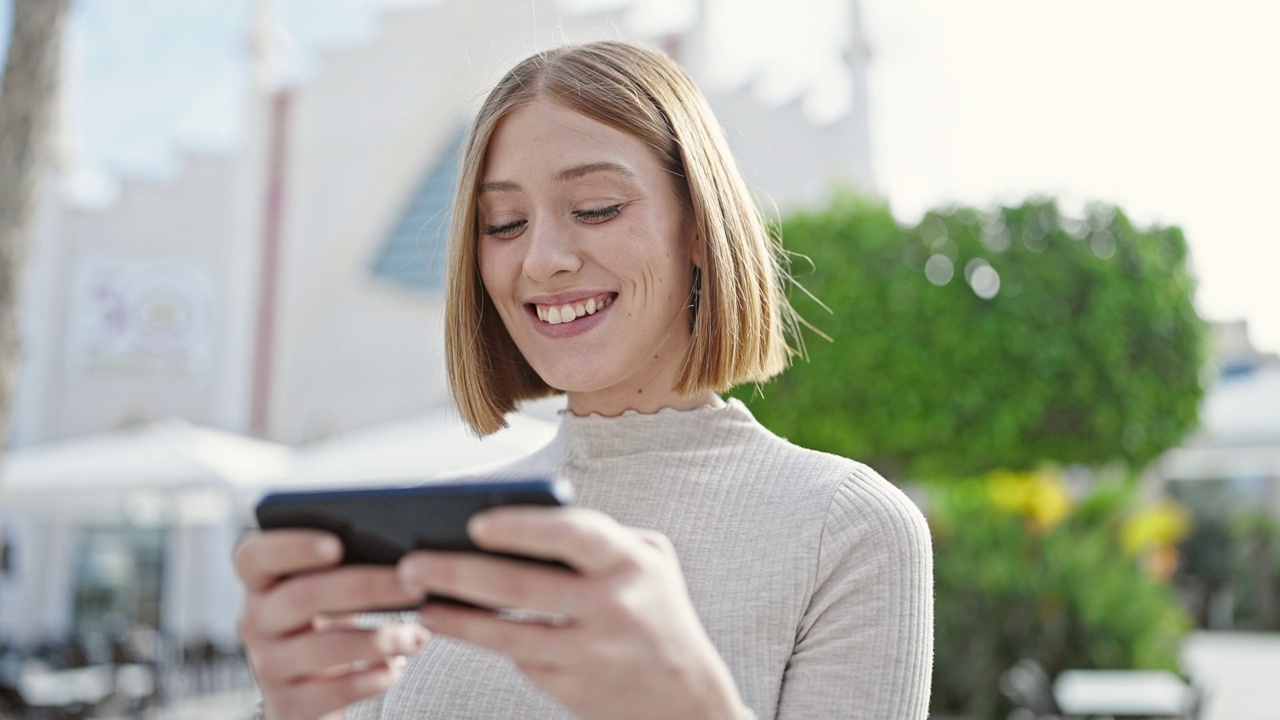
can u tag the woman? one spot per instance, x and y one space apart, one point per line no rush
605 247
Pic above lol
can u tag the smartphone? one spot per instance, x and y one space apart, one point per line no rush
377 526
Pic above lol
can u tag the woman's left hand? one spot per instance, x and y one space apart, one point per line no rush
630 644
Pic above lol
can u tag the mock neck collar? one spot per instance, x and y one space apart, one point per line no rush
667 430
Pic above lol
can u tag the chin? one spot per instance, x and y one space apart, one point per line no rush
565 385
568 380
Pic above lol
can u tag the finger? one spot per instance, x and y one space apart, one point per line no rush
587 540
307 655
262 558
527 643
492 582
293 604
315 698
656 540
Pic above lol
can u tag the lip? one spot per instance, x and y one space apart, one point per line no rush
569 297
571 329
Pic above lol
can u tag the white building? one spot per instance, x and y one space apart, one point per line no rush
291 288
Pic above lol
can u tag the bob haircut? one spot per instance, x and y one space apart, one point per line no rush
739 310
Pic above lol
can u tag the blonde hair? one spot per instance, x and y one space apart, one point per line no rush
740 313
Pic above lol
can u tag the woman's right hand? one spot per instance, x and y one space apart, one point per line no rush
299 626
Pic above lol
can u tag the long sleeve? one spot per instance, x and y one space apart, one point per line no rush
865 645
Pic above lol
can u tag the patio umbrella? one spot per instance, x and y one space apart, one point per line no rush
171 472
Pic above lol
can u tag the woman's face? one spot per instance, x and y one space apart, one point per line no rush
587 256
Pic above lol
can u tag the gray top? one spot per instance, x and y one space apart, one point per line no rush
812 574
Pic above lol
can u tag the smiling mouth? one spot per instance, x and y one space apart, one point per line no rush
567 313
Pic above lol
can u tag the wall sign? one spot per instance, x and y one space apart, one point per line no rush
133 317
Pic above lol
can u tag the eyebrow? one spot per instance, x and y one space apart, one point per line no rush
574 173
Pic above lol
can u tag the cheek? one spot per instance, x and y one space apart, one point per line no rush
492 265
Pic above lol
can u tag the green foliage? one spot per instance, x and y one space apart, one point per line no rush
1066 597
1089 351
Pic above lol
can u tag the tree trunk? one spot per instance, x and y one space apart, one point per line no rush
28 97
27 100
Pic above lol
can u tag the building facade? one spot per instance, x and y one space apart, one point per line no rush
291 288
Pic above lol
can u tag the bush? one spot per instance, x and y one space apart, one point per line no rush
1041 581
983 340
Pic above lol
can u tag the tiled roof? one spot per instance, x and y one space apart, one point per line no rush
413 254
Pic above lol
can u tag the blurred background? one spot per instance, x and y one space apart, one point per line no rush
1042 235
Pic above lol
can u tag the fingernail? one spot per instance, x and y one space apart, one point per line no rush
478 526
398 662
328 547
411 638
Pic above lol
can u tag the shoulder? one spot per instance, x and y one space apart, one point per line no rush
878 512
854 493
858 522
876 550
862 512
871 518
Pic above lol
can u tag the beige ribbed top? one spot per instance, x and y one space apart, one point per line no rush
812 574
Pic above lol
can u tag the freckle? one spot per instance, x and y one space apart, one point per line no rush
640 391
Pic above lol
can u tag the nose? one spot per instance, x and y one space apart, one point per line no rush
550 251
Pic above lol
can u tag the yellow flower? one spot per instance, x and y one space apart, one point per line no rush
1050 504
1164 523
1040 497
1010 491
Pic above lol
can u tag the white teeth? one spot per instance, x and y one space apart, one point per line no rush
556 315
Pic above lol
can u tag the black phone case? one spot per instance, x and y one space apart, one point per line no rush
377 526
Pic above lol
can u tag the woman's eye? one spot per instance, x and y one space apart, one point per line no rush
506 230
593 217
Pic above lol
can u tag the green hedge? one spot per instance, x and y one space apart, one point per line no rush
1089 351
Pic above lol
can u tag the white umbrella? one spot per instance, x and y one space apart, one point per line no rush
165 473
